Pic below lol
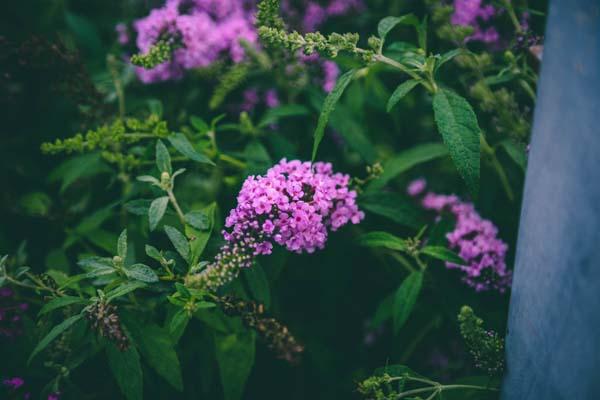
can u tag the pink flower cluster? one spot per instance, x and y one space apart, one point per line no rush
472 13
202 30
474 238
293 205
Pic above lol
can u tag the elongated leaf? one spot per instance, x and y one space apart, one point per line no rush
516 152
157 211
123 289
458 126
406 160
197 219
163 159
138 207
157 348
394 207
401 91
94 263
258 284
60 302
405 298
127 370
141 273
444 254
183 145
153 252
53 334
384 311
273 115
328 106
444 58
178 324
235 357
389 23
148 179
353 133
198 238
382 239
122 244
179 241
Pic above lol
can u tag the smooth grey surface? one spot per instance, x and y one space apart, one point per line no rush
553 342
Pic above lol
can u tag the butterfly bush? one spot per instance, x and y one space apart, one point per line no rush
204 31
201 30
473 13
474 238
294 205
10 314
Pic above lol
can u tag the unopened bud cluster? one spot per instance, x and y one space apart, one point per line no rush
486 346
276 335
104 319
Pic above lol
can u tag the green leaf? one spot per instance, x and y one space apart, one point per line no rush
258 284
179 241
122 244
405 298
382 239
127 370
442 253
389 23
178 324
79 167
148 179
60 302
235 358
100 265
199 124
200 238
138 207
163 159
449 55
353 133
516 152
86 33
183 145
384 311
328 106
397 208
197 219
274 114
407 159
153 252
157 348
141 272
53 334
458 126
401 91
123 289
157 211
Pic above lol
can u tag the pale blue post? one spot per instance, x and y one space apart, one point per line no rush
553 342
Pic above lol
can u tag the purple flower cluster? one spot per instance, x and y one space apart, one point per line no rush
474 238
473 13
311 15
201 30
16 387
251 98
293 205
10 314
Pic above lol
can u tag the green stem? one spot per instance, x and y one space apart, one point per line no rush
232 161
386 60
503 177
112 66
513 16
441 388
402 260
176 205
